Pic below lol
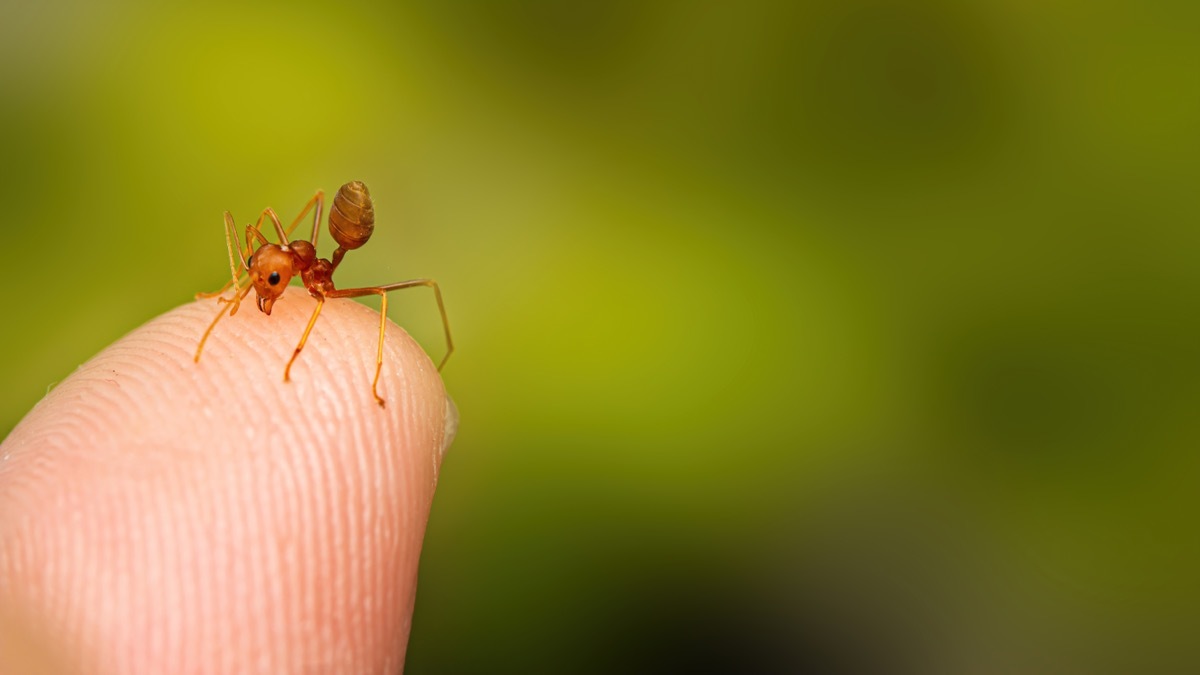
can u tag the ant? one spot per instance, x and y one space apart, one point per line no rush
272 266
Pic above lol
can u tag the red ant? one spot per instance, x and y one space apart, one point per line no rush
272 266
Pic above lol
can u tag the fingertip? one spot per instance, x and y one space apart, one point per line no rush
211 507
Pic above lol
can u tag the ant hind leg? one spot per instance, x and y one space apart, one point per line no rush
318 200
382 291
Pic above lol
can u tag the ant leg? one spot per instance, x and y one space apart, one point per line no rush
205 295
319 200
230 238
358 292
242 255
304 338
382 291
254 232
283 236
379 351
437 294
237 300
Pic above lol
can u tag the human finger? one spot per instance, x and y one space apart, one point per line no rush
162 515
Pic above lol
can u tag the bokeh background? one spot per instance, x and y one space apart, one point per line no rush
852 336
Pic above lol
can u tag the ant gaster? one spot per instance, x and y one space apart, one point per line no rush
272 266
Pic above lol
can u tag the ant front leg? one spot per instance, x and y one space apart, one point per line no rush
270 212
237 300
252 234
235 273
239 292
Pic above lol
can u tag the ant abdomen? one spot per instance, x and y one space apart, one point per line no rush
352 218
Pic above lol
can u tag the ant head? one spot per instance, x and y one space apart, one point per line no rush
271 268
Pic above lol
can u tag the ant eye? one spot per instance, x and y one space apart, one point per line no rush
274 278
250 261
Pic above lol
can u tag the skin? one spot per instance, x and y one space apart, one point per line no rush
163 516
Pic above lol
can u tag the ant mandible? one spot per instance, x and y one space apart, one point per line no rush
272 266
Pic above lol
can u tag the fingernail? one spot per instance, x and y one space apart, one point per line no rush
451 427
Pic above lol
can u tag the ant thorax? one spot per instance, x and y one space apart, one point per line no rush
318 276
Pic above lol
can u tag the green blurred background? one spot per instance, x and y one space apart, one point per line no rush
798 337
